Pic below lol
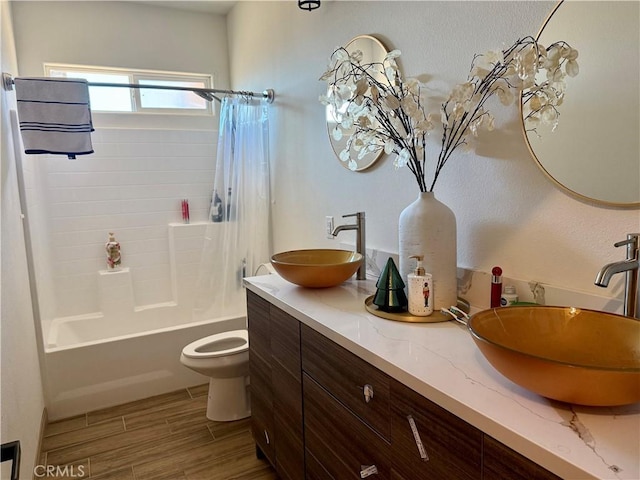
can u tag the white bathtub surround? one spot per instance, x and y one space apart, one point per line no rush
126 349
441 362
115 292
94 362
131 185
129 351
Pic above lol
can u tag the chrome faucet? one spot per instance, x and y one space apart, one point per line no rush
361 248
631 266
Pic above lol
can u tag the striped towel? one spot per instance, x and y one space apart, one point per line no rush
55 116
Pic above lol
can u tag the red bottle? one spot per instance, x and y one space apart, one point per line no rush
496 286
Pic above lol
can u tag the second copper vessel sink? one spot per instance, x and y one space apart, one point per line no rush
569 354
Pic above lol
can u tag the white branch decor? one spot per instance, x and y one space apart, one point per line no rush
386 112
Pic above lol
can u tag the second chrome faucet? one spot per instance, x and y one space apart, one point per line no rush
630 266
361 248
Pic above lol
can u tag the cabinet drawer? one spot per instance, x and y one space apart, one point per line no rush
453 448
338 440
502 462
314 469
347 377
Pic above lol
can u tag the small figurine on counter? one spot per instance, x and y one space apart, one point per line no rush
390 296
420 286
113 253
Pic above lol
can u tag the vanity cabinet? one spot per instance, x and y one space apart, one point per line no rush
347 409
429 442
276 386
355 409
500 462
339 441
358 422
361 388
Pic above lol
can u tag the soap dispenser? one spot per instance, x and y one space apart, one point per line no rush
420 290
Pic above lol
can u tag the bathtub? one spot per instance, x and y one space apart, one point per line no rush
94 362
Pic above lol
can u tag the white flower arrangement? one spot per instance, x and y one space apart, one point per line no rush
385 112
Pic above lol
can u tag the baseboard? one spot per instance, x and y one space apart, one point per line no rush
40 460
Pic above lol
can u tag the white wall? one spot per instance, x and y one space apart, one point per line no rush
21 397
143 164
508 213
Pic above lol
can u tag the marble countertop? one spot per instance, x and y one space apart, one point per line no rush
441 362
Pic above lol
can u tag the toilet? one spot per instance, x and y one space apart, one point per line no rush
224 358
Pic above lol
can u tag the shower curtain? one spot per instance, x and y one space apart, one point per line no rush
237 239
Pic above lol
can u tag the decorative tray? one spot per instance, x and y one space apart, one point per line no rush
435 317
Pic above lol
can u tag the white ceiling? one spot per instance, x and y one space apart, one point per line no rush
217 7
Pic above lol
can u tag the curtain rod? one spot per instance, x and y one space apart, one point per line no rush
206 93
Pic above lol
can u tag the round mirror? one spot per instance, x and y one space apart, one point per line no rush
594 153
372 51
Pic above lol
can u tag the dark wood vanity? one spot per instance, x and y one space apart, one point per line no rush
321 412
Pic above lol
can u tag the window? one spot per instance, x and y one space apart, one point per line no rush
135 100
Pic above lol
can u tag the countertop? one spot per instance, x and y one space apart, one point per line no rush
441 362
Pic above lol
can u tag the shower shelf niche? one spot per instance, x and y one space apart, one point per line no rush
115 292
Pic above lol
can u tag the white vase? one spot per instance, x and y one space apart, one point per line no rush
427 227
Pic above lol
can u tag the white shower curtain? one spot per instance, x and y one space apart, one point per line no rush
237 240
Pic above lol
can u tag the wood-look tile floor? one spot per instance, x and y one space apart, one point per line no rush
167 437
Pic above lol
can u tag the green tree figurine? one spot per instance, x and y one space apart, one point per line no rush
390 296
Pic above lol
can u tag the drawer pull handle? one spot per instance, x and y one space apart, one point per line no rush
368 470
368 393
266 437
416 436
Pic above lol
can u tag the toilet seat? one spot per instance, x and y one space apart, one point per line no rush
218 345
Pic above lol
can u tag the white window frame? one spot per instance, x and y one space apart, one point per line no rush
135 76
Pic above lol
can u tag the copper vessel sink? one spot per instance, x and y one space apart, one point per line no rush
574 355
316 268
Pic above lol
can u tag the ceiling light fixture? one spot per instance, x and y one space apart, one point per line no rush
309 4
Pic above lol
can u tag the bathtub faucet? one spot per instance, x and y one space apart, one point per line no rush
359 227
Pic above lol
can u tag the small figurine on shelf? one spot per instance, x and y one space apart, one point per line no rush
113 253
